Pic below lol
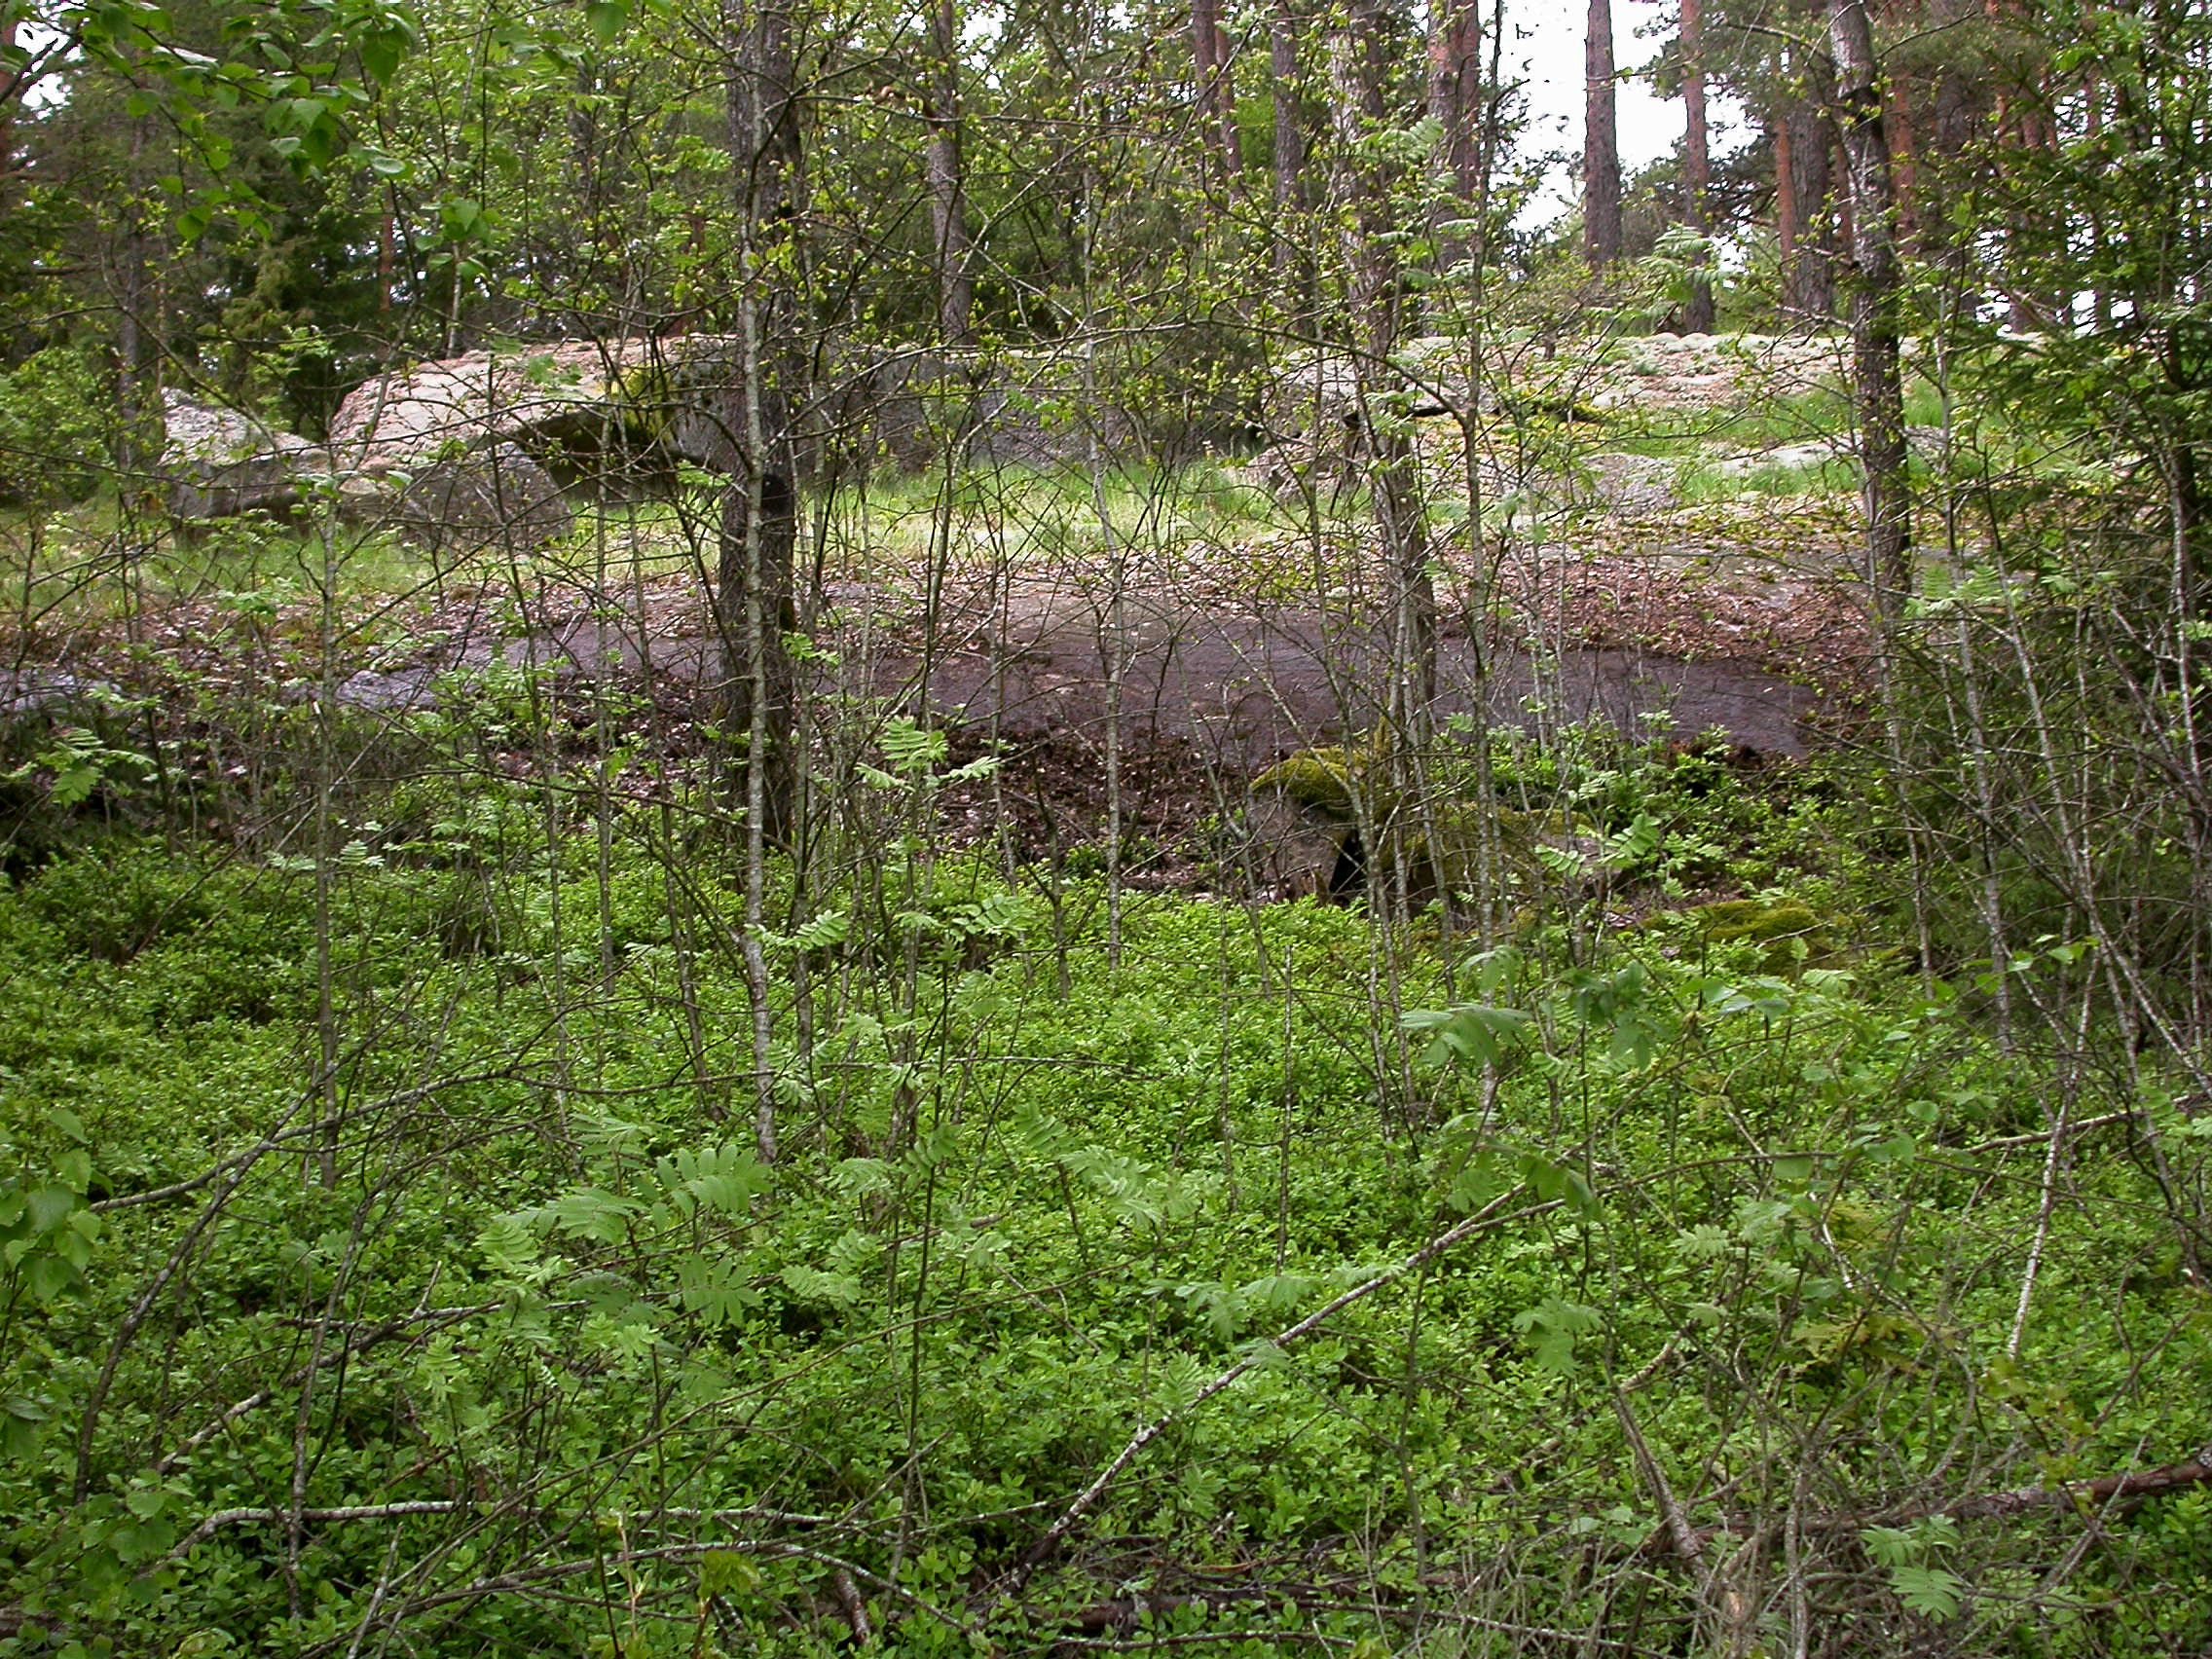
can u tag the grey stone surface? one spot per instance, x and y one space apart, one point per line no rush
217 463
54 693
610 406
491 498
1632 484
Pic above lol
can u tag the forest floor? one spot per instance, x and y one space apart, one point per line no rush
1197 665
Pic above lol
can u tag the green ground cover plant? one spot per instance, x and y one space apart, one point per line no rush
484 1328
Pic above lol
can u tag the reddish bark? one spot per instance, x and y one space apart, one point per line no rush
1697 161
1454 89
1216 103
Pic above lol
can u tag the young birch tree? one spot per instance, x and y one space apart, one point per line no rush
759 512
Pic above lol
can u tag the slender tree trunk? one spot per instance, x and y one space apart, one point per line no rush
1786 222
759 517
10 90
1225 109
1841 233
1697 163
384 264
950 236
1359 68
1601 142
2100 300
1877 371
759 528
136 286
1292 256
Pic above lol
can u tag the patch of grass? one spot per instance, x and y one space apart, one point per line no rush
1021 515
1707 483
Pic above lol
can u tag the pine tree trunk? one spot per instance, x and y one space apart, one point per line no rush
1282 76
1601 142
1697 163
1904 165
1808 286
1215 104
1455 90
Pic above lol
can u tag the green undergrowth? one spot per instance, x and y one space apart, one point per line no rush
391 1263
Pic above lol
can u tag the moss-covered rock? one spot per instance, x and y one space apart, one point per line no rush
1342 783
1790 933
1319 780
1445 847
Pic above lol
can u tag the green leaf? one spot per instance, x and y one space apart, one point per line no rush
727 1572
713 1291
1478 1181
48 1276
1551 1328
1929 1591
723 1179
860 1177
607 19
809 1284
1470 1031
590 1213
50 1208
909 748
383 50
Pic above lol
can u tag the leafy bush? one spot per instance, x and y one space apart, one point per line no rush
57 423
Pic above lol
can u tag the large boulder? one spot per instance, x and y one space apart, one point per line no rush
1327 396
473 450
1313 808
598 408
494 498
218 463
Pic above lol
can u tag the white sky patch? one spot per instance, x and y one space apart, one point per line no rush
1549 52
49 90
